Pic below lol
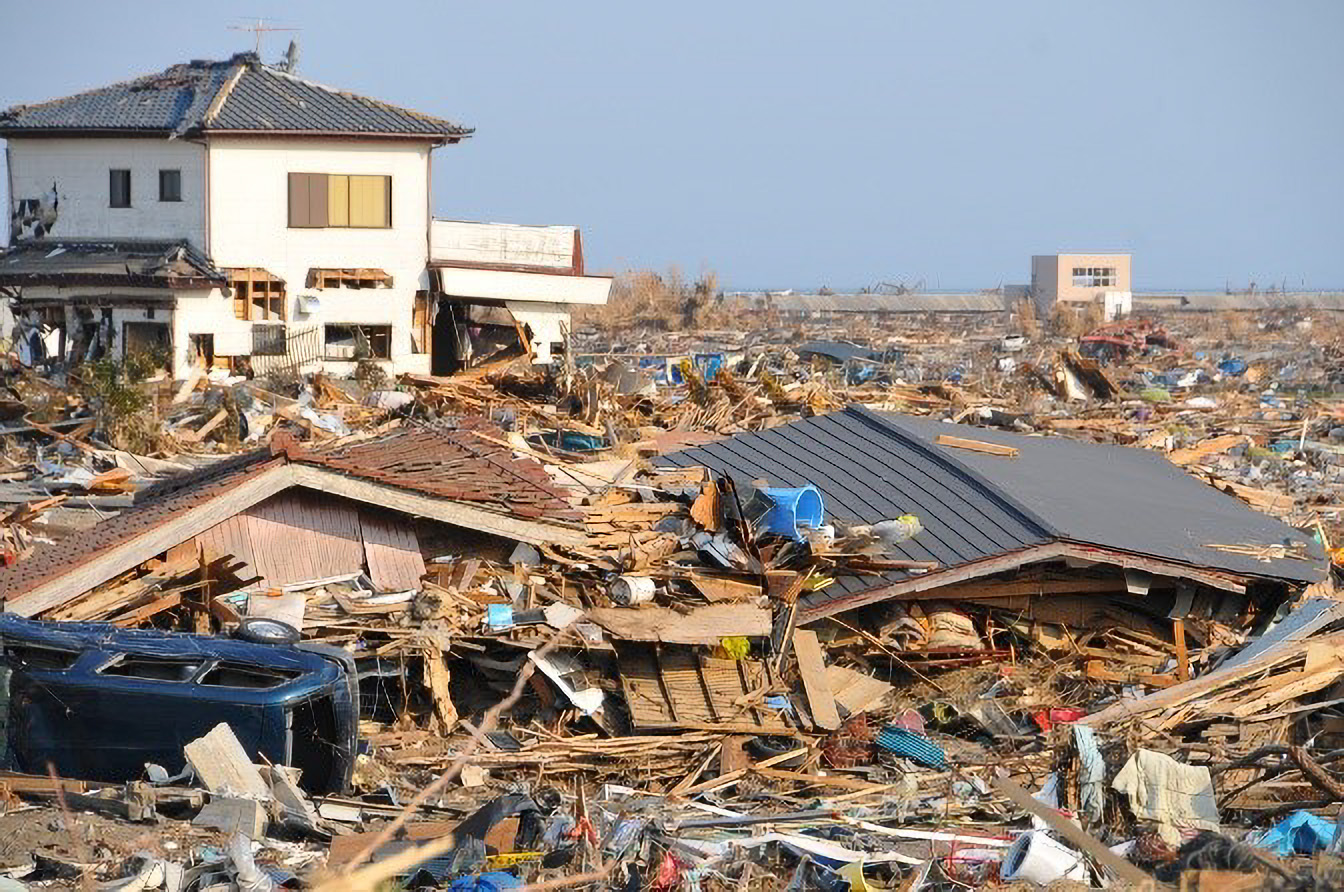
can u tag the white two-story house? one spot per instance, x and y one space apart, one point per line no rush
233 213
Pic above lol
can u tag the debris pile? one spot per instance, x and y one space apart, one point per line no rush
702 611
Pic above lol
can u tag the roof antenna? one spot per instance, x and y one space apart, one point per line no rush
290 63
258 28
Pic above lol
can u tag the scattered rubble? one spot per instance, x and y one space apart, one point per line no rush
703 609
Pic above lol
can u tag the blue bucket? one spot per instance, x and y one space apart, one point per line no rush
792 510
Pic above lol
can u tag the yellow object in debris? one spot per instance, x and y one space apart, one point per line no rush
505 860
734 648
1337 556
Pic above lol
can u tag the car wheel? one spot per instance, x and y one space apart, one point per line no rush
261 630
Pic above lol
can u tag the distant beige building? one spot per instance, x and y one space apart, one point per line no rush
1079 278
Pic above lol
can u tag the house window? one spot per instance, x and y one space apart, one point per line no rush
119 188
268 340
257 294
351 342
170 185
1094 277
337 200
363 277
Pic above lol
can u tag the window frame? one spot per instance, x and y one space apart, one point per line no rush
112 176
363 328
176 179
310 196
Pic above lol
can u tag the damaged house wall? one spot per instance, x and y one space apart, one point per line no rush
78 167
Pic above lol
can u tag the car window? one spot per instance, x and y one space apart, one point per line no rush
242 675
35 657
153 668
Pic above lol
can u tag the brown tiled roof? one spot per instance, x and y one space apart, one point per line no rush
464 462
154 505
453 463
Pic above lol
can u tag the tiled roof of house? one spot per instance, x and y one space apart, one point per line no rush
450 462
464 462
139 263
154 505
236 95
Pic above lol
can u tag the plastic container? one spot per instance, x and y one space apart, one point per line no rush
631 590
792 509
1039 859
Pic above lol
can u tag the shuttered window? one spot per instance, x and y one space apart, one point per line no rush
318 200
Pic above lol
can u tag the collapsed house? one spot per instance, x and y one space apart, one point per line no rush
1046 534
233 214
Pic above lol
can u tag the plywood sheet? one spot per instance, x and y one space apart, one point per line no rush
704 625
812 668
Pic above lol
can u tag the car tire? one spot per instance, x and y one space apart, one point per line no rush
263 630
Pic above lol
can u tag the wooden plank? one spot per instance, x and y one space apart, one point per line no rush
392 552
456 513
703 625
1074 834
1182 657
812 668
977 446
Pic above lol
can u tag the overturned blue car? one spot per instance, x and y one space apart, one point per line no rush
97 702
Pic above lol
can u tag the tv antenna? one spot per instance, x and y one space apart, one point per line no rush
258 28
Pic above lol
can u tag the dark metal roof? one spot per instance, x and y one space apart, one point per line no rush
137 263
874 466
868 472
1126 498
236 95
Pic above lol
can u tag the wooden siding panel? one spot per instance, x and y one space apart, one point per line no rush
392 552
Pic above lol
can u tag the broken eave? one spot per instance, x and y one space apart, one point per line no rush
95 280
927 584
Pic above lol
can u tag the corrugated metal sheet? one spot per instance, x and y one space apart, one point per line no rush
873 466
867 474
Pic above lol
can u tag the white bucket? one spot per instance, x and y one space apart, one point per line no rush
1040 859
632 590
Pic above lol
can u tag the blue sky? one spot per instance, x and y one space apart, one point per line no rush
799 145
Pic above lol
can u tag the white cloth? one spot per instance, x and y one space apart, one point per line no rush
1172 794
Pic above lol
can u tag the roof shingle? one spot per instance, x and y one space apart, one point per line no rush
236 95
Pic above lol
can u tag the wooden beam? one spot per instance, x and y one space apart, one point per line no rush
812 668
1182 657
977 446
1074 834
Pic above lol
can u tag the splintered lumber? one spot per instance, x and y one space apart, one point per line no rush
812 668
703 625
222 764
437 680
977 446
1206 448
